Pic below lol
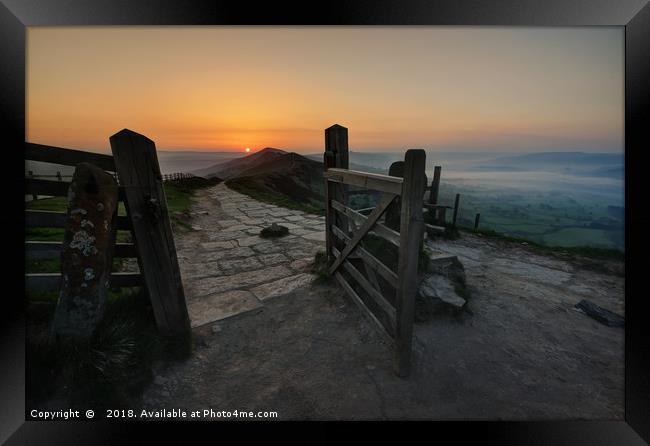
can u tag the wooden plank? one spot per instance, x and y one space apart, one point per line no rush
412 228
52 281
434 228
374 293
435 185
46 187
435 206
386 200
380 229
371 260
137 164
50 250
52 219
357 300
456 206
54 188
362 192
375 181
67 157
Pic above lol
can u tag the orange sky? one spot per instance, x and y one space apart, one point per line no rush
227 88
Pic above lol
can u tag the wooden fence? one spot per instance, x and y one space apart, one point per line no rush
392 311
135 163
177 176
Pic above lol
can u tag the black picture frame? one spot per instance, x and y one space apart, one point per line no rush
634 15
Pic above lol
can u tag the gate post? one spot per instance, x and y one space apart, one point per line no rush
411 234
139 172
336 156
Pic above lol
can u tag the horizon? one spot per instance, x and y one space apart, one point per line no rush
225 89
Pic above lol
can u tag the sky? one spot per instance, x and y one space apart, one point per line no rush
231 88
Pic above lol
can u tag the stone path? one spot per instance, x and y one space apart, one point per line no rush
227 268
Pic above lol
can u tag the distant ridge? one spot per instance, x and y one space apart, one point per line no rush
283 174
235 167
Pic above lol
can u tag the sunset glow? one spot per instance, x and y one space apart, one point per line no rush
223 88
248 149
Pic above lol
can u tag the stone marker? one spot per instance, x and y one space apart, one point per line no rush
275 230
87 252
443 285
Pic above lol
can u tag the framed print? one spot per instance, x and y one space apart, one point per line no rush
413 211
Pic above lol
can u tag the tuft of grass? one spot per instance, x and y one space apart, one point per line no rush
179 193
104 371
253 190
319 267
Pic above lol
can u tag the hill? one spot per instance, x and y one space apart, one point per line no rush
280 177
236 167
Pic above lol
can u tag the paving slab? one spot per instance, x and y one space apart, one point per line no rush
216 307
282 286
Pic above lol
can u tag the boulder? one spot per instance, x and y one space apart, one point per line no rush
442 286
275 230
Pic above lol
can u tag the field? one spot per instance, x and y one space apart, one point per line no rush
548 218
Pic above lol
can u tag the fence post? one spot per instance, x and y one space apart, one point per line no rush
137 165
30 174
411 233
476 220
435 185
336 156
393 212
456 204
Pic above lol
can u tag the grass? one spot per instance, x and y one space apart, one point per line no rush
246 187
319 267
102 372
583 251
179 195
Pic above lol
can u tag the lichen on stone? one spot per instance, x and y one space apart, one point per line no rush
84 243
89 274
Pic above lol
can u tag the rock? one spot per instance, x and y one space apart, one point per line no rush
600 314
437 286
442 286
197 228
216 328
275 230
87 252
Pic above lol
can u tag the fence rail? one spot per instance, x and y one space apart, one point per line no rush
140 188
177 176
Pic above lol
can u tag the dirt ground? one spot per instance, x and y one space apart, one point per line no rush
521 353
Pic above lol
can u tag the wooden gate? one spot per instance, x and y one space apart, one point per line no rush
135 163
391 310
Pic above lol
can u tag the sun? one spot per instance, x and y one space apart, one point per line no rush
248 149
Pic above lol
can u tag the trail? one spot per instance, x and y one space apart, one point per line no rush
277 343
227 268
